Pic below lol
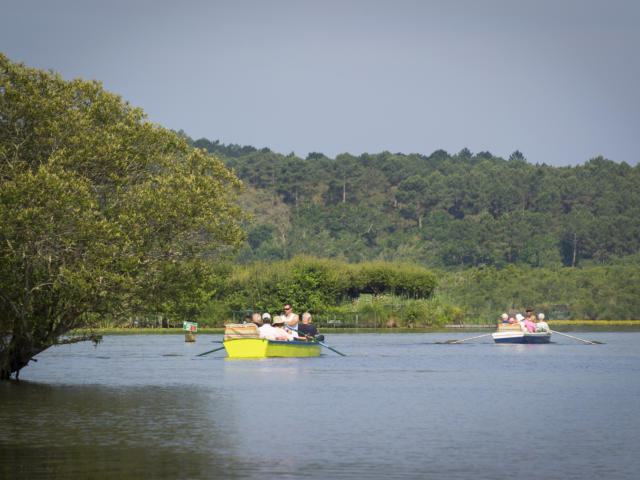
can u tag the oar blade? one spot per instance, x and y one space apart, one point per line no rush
332 349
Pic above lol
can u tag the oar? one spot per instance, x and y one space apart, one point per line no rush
465 339
210 351
315 340
590 342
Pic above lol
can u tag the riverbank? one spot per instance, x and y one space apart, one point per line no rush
600 323
590 323
219 330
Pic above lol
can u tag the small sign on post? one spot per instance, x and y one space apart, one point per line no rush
191 328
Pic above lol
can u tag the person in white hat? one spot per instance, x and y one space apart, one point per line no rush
278 324
268 331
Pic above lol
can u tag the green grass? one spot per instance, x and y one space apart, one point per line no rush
603 323
330 330
148 331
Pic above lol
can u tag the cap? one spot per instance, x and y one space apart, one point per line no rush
266 315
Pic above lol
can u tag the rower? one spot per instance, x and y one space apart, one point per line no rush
291 319
306 327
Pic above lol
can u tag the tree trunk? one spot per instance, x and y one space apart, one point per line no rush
21 349
16 356
344 189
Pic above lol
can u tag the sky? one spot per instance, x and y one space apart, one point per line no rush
557 80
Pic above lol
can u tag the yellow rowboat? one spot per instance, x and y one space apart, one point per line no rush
263 348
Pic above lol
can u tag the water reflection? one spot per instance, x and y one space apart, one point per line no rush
131 432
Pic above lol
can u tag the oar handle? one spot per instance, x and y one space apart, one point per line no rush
315 340
289 327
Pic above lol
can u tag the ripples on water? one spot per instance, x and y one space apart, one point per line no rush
398 406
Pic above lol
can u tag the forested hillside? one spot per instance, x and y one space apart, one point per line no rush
441 210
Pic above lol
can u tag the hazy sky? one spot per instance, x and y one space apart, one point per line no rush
558 80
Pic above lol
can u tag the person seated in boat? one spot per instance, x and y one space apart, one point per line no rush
306 328
278 324
504 318
529 322
291 318
541 325
520 320
256 318
268 331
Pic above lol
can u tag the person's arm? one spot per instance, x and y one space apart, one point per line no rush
293 321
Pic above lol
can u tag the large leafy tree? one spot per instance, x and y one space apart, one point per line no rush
101 212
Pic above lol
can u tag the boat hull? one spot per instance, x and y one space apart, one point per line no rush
521 337
263 348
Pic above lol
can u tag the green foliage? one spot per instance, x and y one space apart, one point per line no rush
414 314
446 211
316 285
600 292
100 212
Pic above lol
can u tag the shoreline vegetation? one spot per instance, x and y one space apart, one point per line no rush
447 328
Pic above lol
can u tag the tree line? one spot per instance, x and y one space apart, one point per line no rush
440 210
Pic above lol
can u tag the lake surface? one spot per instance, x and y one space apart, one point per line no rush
398 406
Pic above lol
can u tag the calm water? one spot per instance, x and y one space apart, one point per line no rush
398 406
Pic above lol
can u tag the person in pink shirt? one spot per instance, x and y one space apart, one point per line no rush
530 321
